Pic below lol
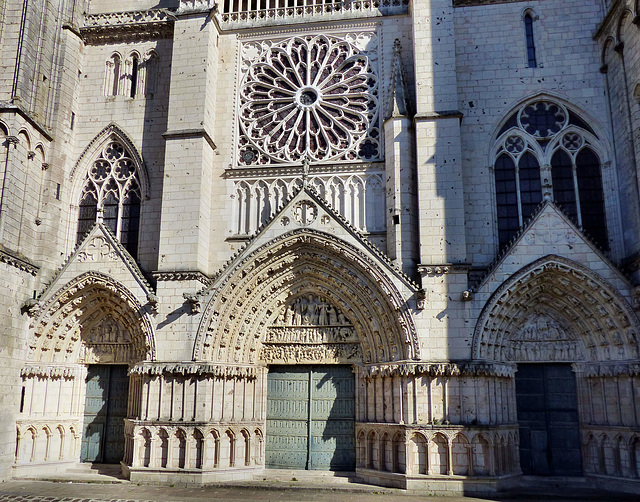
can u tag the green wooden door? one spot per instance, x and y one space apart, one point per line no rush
310 418
104 412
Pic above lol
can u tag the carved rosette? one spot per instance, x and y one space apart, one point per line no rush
313 96
576 316
259 309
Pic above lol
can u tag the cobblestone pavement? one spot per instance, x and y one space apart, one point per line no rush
43 491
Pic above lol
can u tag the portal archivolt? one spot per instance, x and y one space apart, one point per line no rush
93 319
556 310
307 297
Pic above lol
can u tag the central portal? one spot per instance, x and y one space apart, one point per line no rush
311 418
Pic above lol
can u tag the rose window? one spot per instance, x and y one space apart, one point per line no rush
315 97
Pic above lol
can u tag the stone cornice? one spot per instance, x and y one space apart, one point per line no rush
49 371
18 261
196 369
437 115
190 133
279 171
182 275
608 369
464 369
447 268
12 108
127 26
474 3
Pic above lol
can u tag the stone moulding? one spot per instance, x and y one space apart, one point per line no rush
407 368
121 26
308 11
48 371
570 291
631 369
182 276
197 369
13 260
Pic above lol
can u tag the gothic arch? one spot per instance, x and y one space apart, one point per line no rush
251 295
584 318
93 318
586 116
110 132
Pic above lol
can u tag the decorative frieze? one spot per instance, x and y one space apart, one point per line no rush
127 26
182 276
48 371
197 369
13 260
247 15
441 369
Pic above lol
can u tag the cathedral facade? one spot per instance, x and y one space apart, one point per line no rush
399 238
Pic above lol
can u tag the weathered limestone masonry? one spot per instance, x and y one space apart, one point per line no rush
395 237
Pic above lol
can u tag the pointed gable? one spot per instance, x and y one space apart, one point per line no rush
305 209
550 232
100 251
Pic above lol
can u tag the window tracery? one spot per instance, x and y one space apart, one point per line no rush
544 150
312 96
112 195
359 198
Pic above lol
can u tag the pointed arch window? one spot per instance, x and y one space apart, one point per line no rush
530 41
112 195
113 75
545 149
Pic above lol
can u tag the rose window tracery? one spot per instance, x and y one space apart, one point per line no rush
313 96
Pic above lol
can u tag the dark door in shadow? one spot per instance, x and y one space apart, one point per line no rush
310 418
548 418
104 413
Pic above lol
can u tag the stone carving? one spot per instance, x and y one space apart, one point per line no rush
194 301
97 249
108 342
321 354
551 229
310 320
78 309
108 332
543 339
597 326
14 261
132 25
309 310
248 299
305 212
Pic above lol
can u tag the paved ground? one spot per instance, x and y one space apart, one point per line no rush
105 483
48 491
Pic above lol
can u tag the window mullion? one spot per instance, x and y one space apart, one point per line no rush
577 192
517 166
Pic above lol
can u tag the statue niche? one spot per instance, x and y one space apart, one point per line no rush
542 339
311 329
